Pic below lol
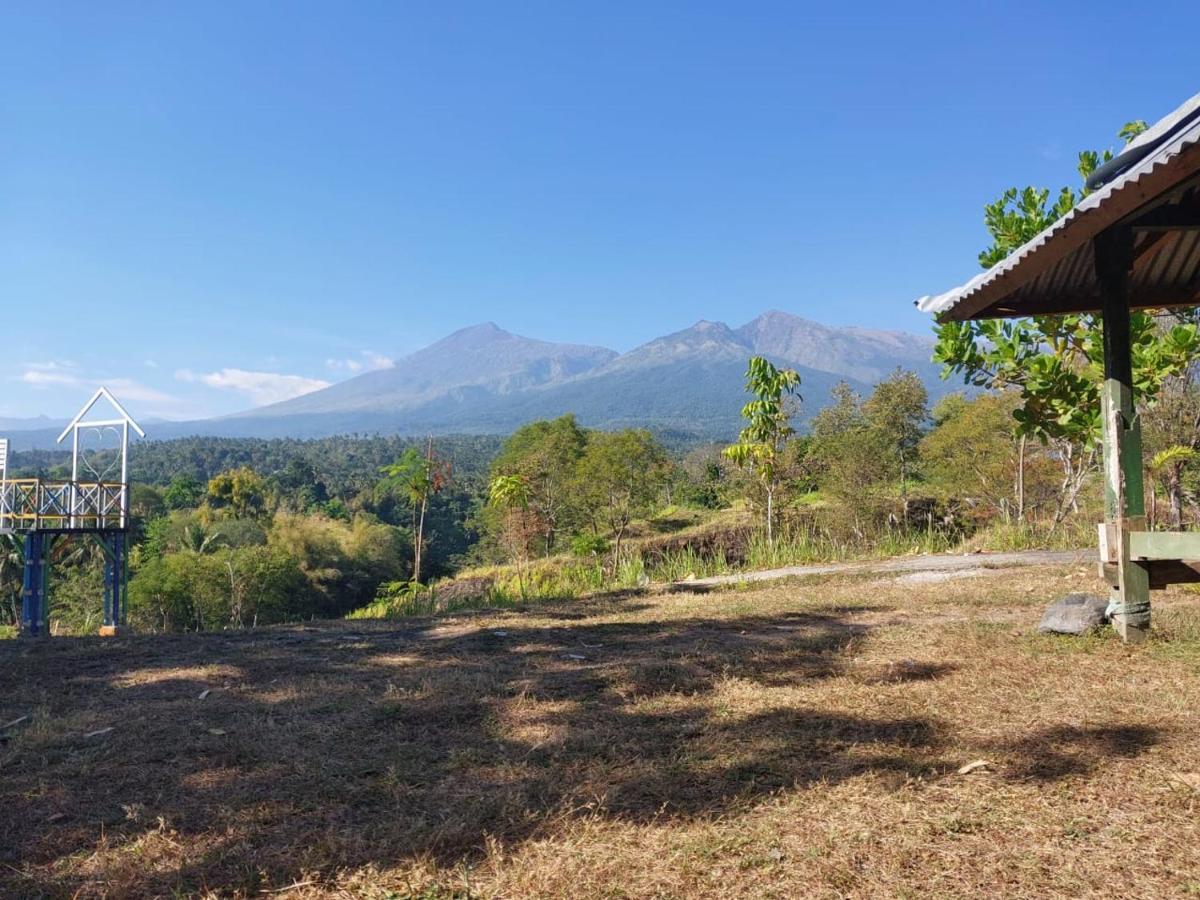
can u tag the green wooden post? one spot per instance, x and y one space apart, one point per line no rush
1124 496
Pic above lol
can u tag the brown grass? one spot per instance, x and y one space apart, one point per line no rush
800 739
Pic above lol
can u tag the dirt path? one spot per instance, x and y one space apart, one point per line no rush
945 563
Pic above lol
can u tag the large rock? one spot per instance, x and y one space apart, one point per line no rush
1074 614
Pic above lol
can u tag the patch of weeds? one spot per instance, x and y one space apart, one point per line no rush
431 892
1077 829
956 825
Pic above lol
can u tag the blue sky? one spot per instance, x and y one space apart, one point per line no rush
211 205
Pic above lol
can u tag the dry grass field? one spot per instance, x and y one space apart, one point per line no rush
796 739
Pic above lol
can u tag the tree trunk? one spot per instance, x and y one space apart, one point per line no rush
771 516
618 536
1175 492
419 544
1021 479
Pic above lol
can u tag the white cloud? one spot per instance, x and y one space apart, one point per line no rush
45 375
366 361
51 374
135 391
45 378
260 387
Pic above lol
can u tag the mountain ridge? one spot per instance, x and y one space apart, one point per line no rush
484 379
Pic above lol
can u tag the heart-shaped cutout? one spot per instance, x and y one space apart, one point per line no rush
94 449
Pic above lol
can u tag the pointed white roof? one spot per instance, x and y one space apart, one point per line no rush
87 407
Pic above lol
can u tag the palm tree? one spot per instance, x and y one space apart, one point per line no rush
1168 466
512 493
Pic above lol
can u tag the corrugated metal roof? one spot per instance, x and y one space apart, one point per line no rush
1055 270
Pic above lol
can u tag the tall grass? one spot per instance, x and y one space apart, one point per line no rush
568 577
490 587
677 565
1011 537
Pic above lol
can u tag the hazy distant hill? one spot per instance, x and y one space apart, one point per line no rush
863 354
485 380
483 356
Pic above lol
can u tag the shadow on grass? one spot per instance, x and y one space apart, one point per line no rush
1060 751
327 748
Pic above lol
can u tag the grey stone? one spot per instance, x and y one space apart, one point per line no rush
1074 614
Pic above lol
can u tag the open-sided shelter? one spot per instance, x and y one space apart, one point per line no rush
1131 244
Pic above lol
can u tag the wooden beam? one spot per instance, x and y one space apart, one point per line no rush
1124 499
1152 244
1164 545
1165 572
1181 216
1162 573
1062 304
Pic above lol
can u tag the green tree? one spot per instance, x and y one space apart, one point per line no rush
1172 434
851 458
240 492
418 477
511 494
762 442
146 501
546 455
973 453
1168 467
620 477
184 492
898 409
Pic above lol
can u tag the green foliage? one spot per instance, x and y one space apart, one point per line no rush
589 545
184 492
1172 457
1057 365
12 566
1019 216
973 452
898 410
762 441
620 477
417 477
510 491
546 455
241 493
335 509
232 587
849 455
236 574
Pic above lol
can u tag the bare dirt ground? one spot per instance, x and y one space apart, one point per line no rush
800 738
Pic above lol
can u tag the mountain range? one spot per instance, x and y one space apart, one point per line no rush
484 379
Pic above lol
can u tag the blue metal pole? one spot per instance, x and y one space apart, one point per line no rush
122 578
115 549
33 587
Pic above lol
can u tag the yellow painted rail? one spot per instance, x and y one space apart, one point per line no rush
33 504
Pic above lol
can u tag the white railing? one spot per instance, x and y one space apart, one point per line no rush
33 504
